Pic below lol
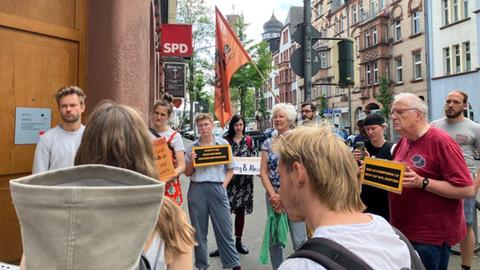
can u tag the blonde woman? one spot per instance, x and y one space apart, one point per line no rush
170 245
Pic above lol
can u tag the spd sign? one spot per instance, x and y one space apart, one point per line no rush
176 40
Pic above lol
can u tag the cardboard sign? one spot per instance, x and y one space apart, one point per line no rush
212 155
246 165
163 159
383 174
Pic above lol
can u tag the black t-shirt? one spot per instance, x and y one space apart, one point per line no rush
374 198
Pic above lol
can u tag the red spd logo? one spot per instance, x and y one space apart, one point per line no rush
176 40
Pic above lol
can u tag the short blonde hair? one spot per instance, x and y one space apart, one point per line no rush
329 164
288 109
203 116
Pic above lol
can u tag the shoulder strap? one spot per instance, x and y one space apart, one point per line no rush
416 262
249 142
143 264
170 139
330 255
154 132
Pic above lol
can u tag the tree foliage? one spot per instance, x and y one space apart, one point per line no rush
323 104
385 96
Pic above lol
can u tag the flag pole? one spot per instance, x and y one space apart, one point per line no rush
265 81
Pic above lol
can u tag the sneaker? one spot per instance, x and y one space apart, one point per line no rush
215 253
241 248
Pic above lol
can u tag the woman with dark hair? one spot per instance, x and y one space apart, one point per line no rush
162 111
240 188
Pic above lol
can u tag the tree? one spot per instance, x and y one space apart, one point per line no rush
199 15
247 79
323 104
385 97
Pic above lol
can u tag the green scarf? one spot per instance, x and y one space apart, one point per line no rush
276 231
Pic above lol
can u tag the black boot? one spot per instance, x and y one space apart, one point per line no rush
240 247
215 253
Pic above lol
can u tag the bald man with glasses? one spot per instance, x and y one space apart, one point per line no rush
430 210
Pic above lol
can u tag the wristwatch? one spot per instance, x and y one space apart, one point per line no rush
425 182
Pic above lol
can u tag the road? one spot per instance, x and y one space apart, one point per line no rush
255 226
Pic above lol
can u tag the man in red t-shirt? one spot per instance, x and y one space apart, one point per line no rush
430 210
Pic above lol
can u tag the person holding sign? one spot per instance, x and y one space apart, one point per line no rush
430 209
283 116
207 197
240 189
162 110
376 146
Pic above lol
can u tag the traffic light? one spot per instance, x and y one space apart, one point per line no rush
345 62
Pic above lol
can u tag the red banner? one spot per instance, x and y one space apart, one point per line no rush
229 57
176 40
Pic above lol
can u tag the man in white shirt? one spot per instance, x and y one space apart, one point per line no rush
320 186
58 146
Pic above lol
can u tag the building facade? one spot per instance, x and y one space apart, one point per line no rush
453 50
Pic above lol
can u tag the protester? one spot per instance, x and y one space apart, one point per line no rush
240 188
329 201
96 216
375 199
57 147
467 134
162 111
207 197
362 136
308 111
170 244
283 116
430 210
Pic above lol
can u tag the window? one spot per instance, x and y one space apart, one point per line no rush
467 62
417 66
323 60
357 45
456 51
375 72
446 61
374 35
369 80
446 12
416 22
399 72
465 9
361 11
455 11
397 31
342 19
354 13
367 38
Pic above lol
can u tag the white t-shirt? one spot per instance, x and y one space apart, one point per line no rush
56 149
375 242
155 254
177 141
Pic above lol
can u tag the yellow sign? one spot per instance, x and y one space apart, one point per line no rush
212 155
163 157
383 174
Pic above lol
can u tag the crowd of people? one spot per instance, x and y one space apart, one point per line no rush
310 176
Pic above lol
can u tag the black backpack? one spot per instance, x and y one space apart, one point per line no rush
334 256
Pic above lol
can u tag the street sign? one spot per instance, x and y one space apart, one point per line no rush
296 61
298 34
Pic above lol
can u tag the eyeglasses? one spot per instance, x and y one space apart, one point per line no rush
306 111
291 148
400 112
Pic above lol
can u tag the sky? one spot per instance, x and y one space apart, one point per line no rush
256 12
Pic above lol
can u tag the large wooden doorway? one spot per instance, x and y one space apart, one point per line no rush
42 48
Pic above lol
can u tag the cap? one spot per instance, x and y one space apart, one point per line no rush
373 119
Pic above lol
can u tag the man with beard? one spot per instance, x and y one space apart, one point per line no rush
467 134
58 146
308 110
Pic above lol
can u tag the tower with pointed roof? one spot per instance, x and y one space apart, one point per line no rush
271 33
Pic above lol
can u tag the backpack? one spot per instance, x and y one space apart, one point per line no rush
248 141
334 256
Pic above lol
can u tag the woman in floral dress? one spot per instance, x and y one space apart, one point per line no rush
240 188
162 110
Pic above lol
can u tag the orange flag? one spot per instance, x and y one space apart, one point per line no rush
229 56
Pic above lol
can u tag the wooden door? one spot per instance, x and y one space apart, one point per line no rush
42 48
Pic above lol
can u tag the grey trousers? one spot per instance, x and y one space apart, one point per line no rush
298 233
210 199
86 217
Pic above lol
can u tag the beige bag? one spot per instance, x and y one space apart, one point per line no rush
86 217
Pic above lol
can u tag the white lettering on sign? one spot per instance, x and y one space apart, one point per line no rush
175 47
246 165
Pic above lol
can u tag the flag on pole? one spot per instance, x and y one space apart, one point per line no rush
229 57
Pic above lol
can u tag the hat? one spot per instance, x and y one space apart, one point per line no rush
373 119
